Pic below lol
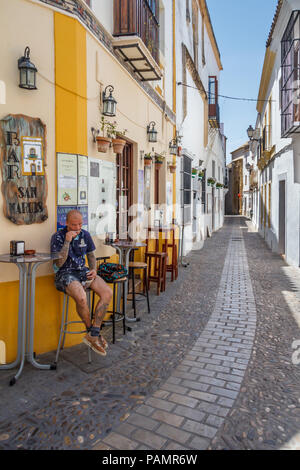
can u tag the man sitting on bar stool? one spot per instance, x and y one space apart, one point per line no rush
73 277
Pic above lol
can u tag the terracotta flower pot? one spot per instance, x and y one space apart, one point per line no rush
103 144
158 165
172 168
147 161
179 149
118 145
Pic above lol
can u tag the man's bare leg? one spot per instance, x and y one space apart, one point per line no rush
100 287
77 292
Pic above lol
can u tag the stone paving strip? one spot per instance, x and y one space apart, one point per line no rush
188 409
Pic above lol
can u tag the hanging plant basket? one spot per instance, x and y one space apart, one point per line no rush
118 145
172 168
194 173
103 144
158 165
147 161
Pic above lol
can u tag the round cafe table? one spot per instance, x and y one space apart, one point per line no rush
27 265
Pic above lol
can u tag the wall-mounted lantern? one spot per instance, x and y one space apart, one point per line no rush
109 103
152 132
173 146
27 71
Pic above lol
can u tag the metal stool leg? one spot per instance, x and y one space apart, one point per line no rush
88 294
133 294
124 300
62 327
146 286
66 322
113 314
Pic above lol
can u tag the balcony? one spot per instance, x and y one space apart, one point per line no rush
213 106
290 81
136 33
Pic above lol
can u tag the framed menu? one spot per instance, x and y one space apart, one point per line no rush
67 179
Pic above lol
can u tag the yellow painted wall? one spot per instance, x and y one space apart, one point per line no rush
71 64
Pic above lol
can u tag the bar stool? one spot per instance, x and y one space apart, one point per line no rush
115 315
135 265
173 267
159 267
65 323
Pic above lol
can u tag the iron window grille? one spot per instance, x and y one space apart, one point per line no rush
290 73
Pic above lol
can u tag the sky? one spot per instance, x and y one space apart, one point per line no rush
241 29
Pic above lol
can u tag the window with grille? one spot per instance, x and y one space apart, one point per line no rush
290 77
186 188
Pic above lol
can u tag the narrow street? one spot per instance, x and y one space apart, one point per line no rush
212 367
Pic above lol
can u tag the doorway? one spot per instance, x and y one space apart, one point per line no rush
281 216
124 190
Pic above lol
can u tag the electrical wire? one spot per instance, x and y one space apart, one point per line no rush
224 96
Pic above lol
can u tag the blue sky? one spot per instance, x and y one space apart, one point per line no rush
241 29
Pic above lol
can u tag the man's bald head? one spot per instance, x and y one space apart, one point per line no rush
74 213
74 221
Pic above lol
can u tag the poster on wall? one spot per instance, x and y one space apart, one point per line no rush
62 215
82 196
101 197
67 181
22 162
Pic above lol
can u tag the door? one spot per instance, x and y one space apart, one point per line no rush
281 215
124 190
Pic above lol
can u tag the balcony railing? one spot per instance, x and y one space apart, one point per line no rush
138 18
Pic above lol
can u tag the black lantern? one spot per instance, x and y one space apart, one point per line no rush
109 103
173 147
27 71
152 132
250 132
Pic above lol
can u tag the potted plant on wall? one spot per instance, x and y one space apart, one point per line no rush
211 181
172 167
194 172
104 141
117 142
201 175
147 159
159 159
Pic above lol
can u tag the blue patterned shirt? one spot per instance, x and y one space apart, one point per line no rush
79 247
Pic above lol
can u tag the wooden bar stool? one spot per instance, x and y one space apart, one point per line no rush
173 266
156 261
137 265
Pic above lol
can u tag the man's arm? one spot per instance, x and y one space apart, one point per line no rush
63 254
92 265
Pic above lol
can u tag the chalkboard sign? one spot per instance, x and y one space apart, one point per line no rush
23 160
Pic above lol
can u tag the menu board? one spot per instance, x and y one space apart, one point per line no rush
66 179
101 197
82 186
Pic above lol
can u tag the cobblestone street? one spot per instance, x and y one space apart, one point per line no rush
210 368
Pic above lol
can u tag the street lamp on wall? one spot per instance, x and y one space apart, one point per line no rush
109 103
152 132
253 134
27 71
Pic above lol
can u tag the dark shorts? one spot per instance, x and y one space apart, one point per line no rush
64 278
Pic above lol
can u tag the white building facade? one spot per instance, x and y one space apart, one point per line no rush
278 138
198 66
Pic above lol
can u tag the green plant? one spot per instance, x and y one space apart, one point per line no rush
148 156
105 127
159 157
211 181
111 129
